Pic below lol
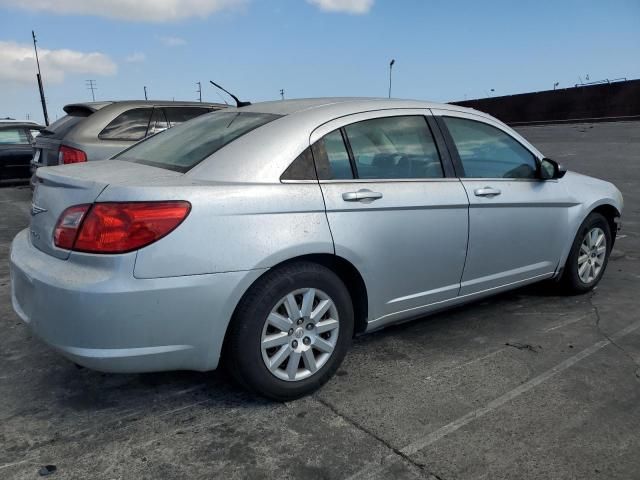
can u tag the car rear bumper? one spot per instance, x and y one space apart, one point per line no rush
93 311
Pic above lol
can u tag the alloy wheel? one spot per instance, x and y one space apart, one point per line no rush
300 334
592 255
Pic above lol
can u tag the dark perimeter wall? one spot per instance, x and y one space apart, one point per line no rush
618 99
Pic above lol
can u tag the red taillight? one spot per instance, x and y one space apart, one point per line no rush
67 227
118 227
68 155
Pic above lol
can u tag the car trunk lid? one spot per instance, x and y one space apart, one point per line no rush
58 188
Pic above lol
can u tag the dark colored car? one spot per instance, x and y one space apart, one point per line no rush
97 130
16 150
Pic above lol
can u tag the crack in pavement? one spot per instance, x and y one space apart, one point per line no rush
605 335
523 346
457 424
422 468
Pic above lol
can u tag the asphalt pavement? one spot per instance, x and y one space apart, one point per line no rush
526 385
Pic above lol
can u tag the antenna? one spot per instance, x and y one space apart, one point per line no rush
239 103
391 63
91 85
40 86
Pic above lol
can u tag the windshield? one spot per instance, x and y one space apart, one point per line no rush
182 147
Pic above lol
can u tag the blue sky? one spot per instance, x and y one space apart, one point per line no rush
444 50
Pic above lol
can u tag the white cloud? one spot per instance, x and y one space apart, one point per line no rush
132 10
358 7
135 57
172 41
19 63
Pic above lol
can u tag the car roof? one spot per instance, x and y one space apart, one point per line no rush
288 107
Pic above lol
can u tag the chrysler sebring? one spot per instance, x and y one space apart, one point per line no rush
265 237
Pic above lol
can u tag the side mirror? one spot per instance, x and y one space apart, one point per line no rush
550 169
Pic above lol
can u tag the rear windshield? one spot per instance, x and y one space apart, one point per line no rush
184 146
62 126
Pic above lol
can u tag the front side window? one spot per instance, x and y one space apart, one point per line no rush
130 125
183 147
13 136
394 147
488 152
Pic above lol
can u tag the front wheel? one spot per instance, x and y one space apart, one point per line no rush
589 255
291 331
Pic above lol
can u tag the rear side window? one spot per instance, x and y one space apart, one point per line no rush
301 168
488 152
183 147
130 125
394 147
13 136
332 157
178 115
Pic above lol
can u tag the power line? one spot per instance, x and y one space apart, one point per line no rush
91 85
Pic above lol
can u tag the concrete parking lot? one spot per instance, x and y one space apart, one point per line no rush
525 385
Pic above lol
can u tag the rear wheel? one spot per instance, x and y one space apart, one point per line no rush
291 331
589 255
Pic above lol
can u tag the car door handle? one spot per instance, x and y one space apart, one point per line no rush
486 192
361 195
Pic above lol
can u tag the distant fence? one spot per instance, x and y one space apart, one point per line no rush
607 101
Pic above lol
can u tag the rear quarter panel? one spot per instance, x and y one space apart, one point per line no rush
232 227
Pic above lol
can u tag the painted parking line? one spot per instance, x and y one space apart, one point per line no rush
433 437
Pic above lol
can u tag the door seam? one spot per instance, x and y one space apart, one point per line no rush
466 253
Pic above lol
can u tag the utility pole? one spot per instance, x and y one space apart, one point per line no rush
555 85
91 85
199 91
145 92
390 69
40 86
282 93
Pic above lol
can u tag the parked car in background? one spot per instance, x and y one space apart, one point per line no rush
16 149
97 130
268 235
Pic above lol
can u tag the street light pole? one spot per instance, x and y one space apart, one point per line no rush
390 69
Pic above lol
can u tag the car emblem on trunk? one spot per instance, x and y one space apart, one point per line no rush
35 209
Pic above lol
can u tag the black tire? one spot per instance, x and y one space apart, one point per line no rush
243 353
570 281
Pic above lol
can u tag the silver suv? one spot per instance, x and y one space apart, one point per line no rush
98 130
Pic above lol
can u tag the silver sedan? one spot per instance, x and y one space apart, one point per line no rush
267 236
